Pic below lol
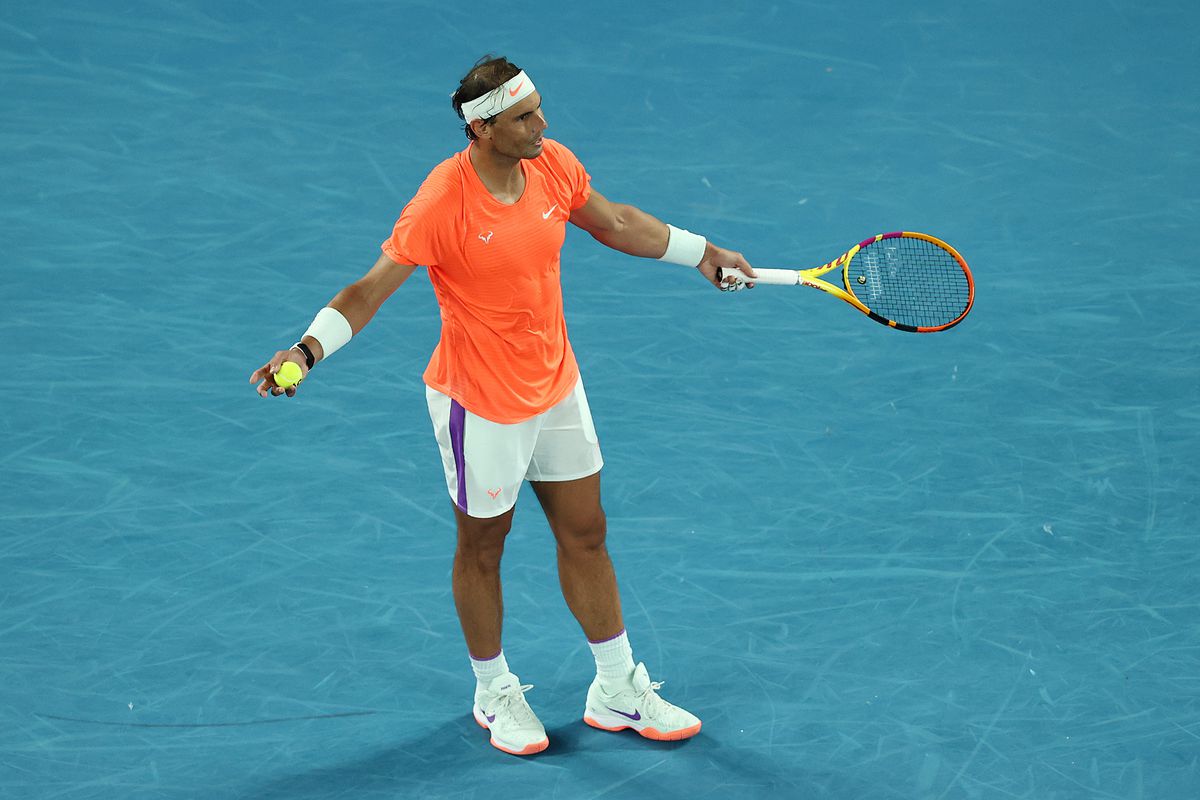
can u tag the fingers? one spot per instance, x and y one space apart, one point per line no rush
269 368
741 263
268 388
733 280
738 262
260 373
733 272
264 376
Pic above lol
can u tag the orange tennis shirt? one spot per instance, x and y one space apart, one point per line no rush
503 352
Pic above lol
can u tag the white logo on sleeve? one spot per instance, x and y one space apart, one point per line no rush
546 214
486 239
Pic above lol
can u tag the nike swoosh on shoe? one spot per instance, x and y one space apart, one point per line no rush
635 716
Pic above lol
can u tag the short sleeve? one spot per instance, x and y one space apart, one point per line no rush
569 172
417 237
413 239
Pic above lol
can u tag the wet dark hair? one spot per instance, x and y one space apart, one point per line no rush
488 74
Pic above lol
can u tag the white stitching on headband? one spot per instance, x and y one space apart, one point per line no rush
500 99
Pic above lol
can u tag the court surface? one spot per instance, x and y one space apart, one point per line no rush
877 565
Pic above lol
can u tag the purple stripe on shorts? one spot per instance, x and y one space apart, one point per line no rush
458 423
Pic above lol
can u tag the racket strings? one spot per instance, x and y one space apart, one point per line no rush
910 281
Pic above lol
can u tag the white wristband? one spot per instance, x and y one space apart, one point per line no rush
331 329
684 247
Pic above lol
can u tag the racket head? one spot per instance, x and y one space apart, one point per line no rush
910 281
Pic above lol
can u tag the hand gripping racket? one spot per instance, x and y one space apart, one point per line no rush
905 280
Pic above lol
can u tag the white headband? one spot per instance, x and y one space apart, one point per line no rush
500 99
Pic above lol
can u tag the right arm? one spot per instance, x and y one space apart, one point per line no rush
358 303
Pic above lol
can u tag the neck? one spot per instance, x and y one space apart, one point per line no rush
501 174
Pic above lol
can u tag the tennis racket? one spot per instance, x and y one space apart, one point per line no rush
909 281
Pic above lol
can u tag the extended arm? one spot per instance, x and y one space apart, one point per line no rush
357 303
629 229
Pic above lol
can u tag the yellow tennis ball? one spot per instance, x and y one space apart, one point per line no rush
289 375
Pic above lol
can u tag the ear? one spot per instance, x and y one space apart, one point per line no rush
481 128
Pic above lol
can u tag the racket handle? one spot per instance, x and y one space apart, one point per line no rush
779 277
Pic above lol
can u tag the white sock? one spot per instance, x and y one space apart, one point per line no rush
488 669
614 659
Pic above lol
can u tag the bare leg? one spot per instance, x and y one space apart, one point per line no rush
476 580
585 571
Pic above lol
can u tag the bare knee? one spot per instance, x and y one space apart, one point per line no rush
585 535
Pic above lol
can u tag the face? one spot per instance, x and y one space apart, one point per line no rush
517 133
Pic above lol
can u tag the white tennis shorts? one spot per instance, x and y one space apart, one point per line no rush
486 461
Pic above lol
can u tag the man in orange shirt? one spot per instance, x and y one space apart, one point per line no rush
503 387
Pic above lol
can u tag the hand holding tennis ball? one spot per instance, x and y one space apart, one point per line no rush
280 375
288 375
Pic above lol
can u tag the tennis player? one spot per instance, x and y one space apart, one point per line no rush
503 387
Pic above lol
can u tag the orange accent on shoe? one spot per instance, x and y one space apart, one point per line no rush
650 733
595 724
529 750
670 736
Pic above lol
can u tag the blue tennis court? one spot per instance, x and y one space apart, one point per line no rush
877 565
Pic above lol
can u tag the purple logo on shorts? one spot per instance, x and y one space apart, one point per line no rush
635 716
490 717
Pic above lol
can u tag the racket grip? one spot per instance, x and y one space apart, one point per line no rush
779 277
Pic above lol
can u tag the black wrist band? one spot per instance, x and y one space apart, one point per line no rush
308 354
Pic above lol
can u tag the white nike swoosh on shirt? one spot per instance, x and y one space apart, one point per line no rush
546 215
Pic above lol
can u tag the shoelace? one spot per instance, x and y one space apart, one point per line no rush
656 704
514 702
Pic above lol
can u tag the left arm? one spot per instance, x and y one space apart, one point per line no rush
633 231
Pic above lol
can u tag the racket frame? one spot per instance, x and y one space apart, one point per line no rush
812 278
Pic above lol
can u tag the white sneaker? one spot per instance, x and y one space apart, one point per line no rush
501 708
638 706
